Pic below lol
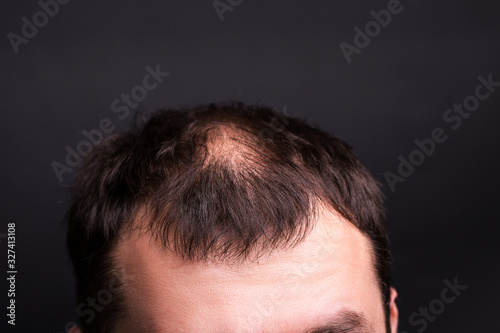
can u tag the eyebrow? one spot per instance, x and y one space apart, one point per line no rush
346 321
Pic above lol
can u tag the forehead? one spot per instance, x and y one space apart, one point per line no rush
287 291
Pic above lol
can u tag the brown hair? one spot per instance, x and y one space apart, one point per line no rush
218 181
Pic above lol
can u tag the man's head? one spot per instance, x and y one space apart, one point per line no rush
227 218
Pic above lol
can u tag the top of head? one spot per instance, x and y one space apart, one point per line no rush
214 183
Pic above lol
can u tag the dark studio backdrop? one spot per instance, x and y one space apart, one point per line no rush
413 86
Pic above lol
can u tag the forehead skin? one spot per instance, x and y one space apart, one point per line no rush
290 290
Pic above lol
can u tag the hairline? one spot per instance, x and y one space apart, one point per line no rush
127 231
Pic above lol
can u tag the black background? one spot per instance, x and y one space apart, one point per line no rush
285 54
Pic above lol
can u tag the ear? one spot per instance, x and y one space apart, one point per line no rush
75 329
394 313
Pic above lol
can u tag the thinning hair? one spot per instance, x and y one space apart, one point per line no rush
218 182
